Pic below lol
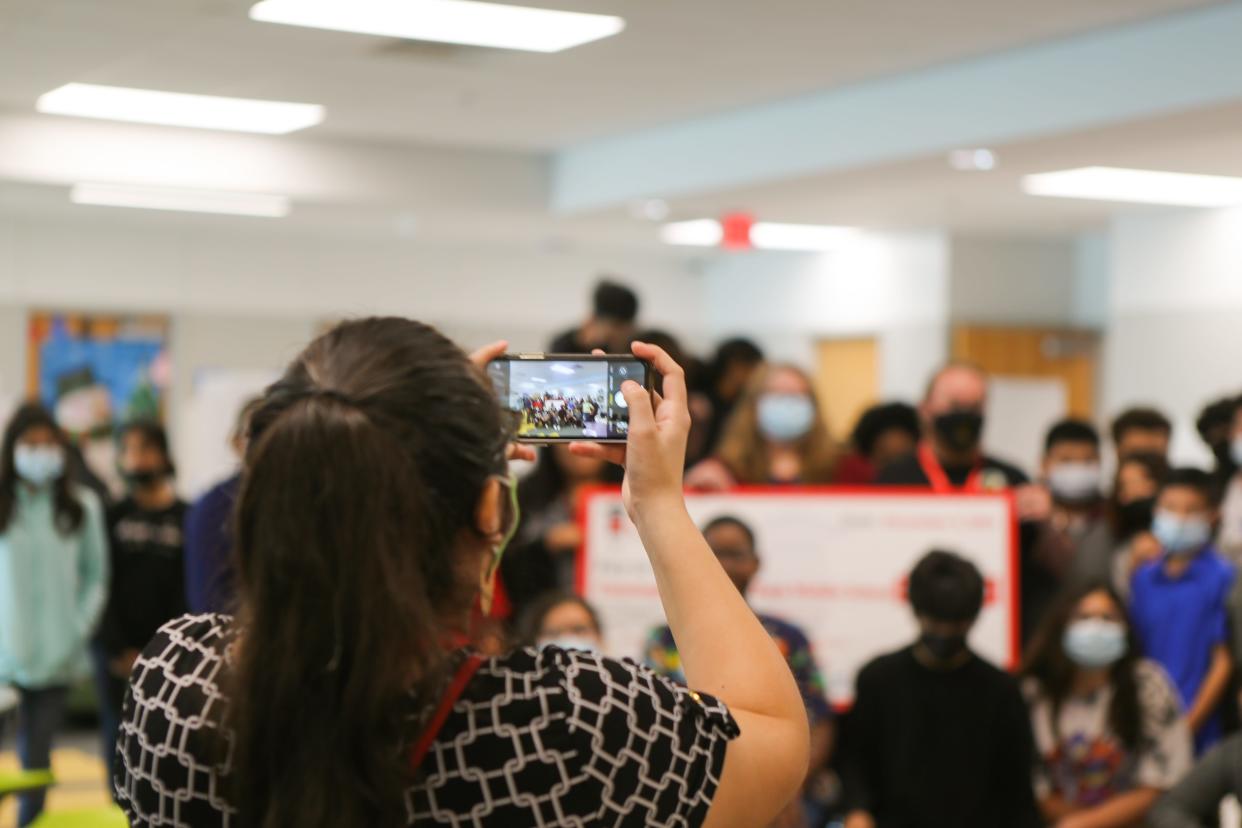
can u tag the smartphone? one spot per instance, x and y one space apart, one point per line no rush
565 397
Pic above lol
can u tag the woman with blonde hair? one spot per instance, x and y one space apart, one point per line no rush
776 435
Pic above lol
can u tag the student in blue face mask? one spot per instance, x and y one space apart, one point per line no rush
1179 601
1109 730
776 435
53 578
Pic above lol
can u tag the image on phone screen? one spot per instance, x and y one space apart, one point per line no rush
566 399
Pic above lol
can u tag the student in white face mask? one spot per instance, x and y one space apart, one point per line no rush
1109 729
53 577
1075 542
561 619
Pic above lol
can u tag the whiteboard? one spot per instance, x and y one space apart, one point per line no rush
1020 412
833 562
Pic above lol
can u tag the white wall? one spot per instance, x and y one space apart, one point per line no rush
1175 316
892 287
246 301
1012 281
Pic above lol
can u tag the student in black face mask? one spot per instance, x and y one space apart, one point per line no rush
1138 479
148 578
951 459
937 735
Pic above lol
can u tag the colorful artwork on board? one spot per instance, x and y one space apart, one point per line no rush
97 371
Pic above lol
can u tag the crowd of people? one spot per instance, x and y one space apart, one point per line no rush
550 413
1120 713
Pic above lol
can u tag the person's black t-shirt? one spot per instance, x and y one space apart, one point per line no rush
995 474
147 584
939 748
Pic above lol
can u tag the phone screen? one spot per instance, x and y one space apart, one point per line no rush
567 398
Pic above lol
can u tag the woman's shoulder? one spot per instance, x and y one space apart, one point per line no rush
186 642
590 686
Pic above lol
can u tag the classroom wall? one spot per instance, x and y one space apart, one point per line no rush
246 301
890 286
1165 286
1175 315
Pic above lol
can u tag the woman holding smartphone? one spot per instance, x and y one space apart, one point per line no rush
375 505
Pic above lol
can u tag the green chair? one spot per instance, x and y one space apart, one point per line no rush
110 817
16 782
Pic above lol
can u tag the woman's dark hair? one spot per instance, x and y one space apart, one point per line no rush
880 419
946 587
1156 467
1047 663
154 434
530 624
68 509
738 349
366 460
546 483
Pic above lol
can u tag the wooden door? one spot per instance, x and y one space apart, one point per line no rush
846 380
1047 353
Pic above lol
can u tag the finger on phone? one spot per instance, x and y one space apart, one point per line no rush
598 352
611 453
638 401
674 385
489 352
517 451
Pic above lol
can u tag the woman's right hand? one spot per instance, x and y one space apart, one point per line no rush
655 452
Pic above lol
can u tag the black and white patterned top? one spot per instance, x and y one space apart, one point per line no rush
538 738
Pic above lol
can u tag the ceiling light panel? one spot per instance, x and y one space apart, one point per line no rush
149 106
192 201
767 235
1137 186
466 22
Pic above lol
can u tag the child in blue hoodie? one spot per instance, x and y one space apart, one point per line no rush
1179 601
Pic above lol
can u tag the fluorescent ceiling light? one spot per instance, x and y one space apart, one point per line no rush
1140 186
764 235
148 106
561 369
767 235
446 21
191 201
696 233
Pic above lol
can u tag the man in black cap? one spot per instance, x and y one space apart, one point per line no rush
610 326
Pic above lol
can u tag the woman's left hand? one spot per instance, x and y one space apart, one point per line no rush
481 358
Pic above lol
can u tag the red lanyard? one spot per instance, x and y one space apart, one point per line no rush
940 481
464 673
